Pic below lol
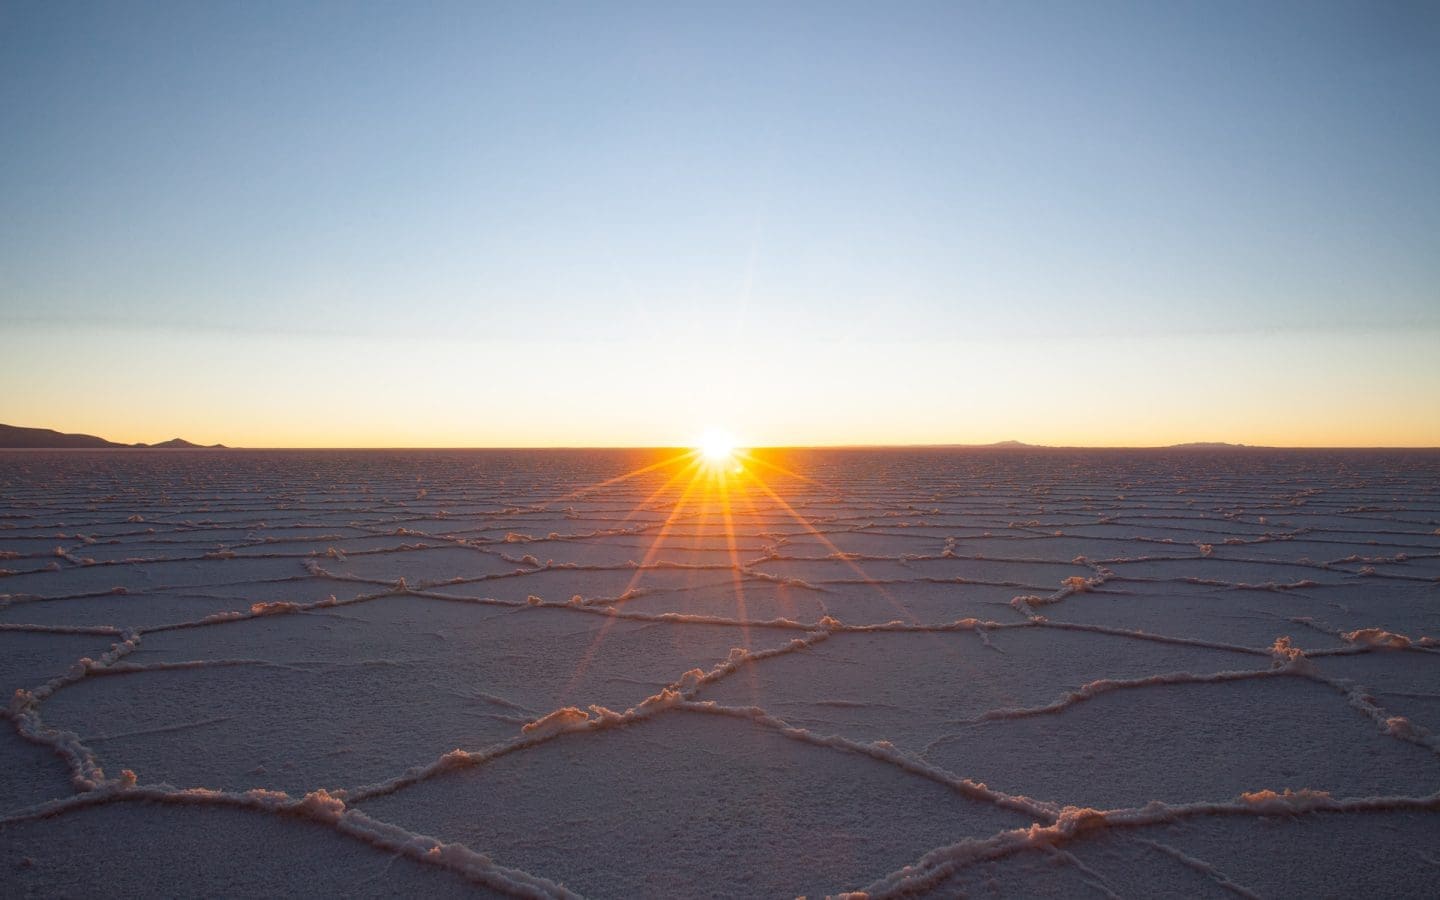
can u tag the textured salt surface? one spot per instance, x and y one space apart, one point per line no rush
140 849
930 672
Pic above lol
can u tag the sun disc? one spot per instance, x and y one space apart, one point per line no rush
717 445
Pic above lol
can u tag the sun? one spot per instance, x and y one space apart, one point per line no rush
717 446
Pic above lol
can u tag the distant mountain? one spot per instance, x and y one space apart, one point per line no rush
1210 445
14 437
182 444
998 445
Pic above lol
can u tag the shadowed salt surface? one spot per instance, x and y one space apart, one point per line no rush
929 672
29 658
31 773
145 850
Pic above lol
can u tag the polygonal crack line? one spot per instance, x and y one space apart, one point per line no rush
323 808
86 773
81 758
390 589
572 722
1076 823
1287 662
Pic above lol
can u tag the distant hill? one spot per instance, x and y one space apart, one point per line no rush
38 438
998 445
1021 445
14 437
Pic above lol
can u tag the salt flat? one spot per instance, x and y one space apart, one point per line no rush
625 673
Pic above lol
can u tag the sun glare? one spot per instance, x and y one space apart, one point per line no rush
717 446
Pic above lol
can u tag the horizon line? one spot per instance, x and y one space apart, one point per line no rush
178 443
999 446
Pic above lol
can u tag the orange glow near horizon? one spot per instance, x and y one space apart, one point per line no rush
1324 429
1283 391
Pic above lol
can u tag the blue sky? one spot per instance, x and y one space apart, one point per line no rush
826 181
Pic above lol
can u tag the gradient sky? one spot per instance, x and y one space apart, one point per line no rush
518 224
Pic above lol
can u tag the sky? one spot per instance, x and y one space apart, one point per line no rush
615 224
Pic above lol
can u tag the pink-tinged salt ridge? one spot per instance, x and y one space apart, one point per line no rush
1377 637
568 720
1074 824
326 809
1148 636
1368 638
275 608
884 751
1106 685
571 720
24 713
1289 657
107 630
268 608
1393 725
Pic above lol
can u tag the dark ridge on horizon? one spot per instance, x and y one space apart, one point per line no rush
15 437
1021 445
